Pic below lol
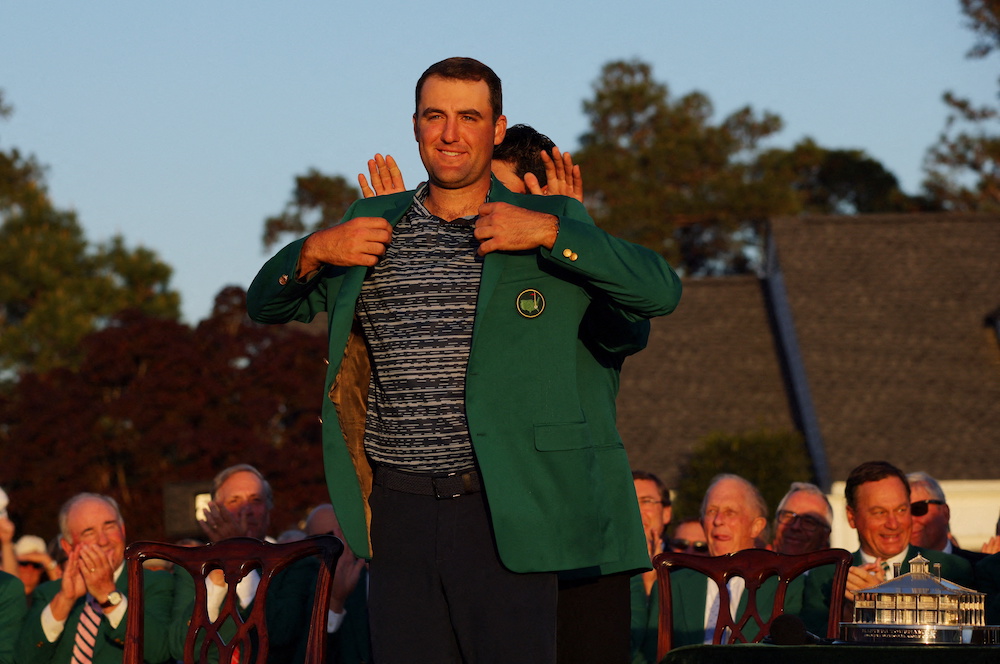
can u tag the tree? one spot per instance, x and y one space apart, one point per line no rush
836 181
655 164
660 173
318 201
154 401
963 167
770 460
54 287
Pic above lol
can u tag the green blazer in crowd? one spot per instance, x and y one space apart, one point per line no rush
988 581
689 590
12 608
34 648
540 388
289 609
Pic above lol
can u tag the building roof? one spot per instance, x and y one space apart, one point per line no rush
889 314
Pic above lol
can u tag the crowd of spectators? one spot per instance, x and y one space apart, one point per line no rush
51 593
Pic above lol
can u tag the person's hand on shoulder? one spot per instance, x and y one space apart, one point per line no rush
563 177
385 175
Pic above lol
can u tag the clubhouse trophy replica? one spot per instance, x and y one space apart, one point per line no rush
920 607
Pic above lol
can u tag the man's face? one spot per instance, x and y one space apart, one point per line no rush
654 514
930 531
882 517
455 131
243 493
808 530
506 174
730 521
93 521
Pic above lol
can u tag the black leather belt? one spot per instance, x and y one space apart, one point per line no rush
452 485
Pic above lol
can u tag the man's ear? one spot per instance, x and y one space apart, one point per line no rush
850 517
415 137
757 526
668 511
66 546
499 130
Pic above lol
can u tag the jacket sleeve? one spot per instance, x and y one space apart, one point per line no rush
635 279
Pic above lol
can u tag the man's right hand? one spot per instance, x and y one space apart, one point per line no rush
359 241
73 587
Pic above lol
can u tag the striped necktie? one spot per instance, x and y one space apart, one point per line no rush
86 632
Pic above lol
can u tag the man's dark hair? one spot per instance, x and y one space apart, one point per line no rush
660 486
871 471
521 149
464 69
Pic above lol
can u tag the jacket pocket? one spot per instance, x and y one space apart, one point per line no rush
556 437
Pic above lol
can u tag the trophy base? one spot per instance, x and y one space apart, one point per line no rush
930 634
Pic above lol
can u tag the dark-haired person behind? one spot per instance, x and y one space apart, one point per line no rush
878 507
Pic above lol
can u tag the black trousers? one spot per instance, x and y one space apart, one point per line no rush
594 620
439 593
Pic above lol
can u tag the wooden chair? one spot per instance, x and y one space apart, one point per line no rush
236 557
755 566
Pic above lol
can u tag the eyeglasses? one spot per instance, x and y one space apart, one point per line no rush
646 502
679 545
26 563
810 524
920 507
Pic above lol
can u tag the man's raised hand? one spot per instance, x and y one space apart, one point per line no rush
563 177
385 175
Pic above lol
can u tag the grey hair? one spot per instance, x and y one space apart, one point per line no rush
923 479
225 474
756 499
807 487
80 497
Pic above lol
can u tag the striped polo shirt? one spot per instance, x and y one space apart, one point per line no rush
417 308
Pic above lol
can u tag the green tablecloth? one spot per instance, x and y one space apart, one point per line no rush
851 654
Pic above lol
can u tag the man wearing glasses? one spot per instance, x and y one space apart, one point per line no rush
878 507
802 521
932 518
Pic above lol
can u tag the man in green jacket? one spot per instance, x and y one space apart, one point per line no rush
84 613
878 507
471 415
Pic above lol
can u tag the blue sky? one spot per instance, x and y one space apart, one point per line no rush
181 124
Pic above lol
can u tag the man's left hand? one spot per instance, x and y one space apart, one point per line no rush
97 570
219 523
506 227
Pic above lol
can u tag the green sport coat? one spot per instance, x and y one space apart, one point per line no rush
34 648
12 608
689 590
540 390
819 583
289 609
988 581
